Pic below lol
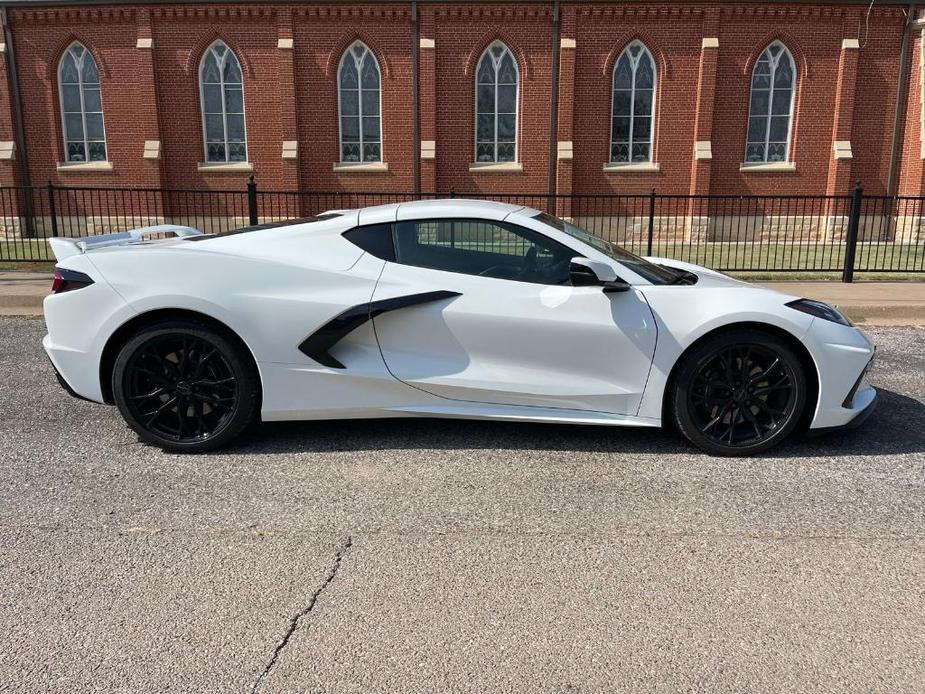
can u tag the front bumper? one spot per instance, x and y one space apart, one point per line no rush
856 421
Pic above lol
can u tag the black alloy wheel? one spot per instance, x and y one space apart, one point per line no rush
739 393
185 387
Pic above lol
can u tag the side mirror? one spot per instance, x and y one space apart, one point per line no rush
584 272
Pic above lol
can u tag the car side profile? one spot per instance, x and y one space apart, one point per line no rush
441 308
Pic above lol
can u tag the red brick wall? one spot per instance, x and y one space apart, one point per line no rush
296 91
462 33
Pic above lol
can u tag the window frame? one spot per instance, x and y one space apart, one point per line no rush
531 236
208 54
613 89
83 108
340 110
771 89
496 66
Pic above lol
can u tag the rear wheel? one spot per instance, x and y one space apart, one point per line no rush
739 393
185 386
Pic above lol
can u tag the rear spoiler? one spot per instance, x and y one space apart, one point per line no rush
66 247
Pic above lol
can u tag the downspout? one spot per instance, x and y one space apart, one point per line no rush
22 155
554 111
902 91
415 100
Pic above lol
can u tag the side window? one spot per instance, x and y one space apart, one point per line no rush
483 248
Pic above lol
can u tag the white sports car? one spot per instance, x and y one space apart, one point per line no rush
443 308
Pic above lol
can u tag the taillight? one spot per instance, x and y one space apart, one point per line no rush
67 280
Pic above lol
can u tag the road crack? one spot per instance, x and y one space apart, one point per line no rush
294 622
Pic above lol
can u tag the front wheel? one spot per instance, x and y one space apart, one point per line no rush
185 386
739 393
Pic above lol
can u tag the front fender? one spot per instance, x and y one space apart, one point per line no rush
684 314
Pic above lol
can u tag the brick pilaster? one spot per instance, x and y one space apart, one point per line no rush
566 115
702 154
839 177
427 97
151 148
9 156
290 149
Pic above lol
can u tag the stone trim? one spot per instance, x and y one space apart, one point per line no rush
496 167
426 43
638 167
225 167
565 151
770 167
703 149
847 44
284 44
144 43
428 149
290 149
567 43
84 166
842 149
361 167
7 150
2 48
709 42
152 150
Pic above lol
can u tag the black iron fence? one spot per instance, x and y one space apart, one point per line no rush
845 234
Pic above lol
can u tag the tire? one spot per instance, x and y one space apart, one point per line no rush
740 392
185 387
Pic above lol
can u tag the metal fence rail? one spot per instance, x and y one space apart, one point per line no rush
844 234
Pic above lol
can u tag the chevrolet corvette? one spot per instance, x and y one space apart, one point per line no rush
440 308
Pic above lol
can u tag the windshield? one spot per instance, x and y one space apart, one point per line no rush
648 271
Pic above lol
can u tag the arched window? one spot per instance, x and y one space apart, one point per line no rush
81 106
633 106
496 80
771 106
222 97
358 91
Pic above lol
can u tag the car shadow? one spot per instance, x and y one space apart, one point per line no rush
897 426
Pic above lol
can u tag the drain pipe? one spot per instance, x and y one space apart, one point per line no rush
902 91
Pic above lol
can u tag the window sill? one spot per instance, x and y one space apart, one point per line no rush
496 167
638 167
228 167
777 166
84 166
361 167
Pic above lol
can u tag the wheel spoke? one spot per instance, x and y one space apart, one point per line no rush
185 376
742 394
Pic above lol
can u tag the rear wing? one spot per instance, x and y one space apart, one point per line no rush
66 247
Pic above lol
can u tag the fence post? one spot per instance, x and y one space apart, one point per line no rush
851 243
651 221
252 201
52 210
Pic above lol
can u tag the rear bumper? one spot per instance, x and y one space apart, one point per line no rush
857 420
64 384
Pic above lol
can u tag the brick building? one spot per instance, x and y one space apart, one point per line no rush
684 97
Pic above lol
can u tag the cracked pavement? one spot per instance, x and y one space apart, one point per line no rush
428 555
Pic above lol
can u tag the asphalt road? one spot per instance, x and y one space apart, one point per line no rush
419 555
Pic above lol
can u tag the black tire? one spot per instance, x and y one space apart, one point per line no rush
739 392
185 386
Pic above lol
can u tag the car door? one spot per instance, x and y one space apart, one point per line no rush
486 314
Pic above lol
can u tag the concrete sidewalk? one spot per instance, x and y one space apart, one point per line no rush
871 303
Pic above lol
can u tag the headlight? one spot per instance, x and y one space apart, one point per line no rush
820 310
